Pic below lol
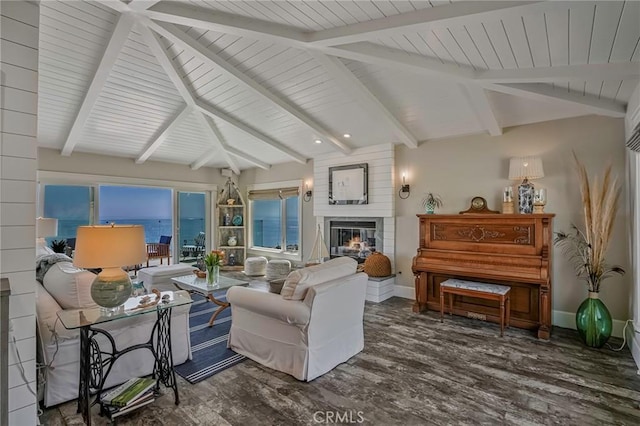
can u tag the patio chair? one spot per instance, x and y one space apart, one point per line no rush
160 250
200 243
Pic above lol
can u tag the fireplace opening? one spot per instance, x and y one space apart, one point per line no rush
356 239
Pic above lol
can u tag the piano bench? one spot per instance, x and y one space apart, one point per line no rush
485 291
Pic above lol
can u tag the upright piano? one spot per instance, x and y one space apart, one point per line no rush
507 249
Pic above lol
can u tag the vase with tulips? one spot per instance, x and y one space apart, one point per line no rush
212 262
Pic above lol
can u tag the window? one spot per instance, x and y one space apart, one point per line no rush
181 210
275 218
134 205
71 205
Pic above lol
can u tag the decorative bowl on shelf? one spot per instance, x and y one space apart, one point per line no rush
231 201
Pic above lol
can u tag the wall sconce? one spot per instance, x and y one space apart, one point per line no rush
308 192
404 189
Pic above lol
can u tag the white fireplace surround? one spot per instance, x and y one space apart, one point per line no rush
381 206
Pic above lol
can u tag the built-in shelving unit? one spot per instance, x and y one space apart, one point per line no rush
231 223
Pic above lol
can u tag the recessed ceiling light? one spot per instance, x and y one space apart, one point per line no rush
318 141
347 135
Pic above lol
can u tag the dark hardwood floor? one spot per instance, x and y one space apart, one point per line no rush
416 371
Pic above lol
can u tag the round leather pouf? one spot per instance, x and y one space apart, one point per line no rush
377 265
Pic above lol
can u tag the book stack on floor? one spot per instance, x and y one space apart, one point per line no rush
131 395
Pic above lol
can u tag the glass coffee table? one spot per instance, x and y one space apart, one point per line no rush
193 284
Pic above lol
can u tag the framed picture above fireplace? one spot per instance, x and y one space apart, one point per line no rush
349 184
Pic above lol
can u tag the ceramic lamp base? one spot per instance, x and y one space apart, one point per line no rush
538 209
111 288
525 197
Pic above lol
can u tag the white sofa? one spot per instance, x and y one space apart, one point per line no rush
72 286
307 337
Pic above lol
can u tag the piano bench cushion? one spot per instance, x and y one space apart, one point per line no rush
476 286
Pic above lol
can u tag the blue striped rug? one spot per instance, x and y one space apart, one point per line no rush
208 344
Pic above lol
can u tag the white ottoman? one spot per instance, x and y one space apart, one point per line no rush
160 276
278 269
255 266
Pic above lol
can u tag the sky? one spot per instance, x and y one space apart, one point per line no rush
128 202
119 202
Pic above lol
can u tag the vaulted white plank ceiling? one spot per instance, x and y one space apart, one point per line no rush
244 84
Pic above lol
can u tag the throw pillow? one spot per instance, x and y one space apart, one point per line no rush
70 286
275 286
298 282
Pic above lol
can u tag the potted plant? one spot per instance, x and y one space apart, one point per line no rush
213 261
430 202
586 250
58 246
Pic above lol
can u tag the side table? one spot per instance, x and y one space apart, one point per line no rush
96 363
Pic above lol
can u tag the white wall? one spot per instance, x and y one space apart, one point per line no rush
104 165
18 153
460 168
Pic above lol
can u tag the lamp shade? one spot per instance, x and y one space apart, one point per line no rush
109 246
521 168
46 227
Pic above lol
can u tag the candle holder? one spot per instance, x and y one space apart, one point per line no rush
539 200
507 200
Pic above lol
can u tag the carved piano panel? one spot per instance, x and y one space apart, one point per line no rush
511 250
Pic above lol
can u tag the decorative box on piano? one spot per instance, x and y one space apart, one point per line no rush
508 249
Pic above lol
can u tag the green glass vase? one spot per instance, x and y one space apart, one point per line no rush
593 321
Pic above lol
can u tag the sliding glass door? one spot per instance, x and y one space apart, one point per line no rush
192 225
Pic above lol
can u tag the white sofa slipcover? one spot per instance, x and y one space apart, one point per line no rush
303 338
61 381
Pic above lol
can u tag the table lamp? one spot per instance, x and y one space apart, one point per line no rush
525 169
46 227
110 247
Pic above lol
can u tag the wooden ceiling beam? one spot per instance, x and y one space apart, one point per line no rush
419 20
482 107
139 5
154 43
564 73
216 136
214 112
190 16
350 83
544 92
397 59
258 163
161 134
109 57
171 32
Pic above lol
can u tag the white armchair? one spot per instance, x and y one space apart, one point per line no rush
304 338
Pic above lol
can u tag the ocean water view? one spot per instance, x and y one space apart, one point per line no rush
153 228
